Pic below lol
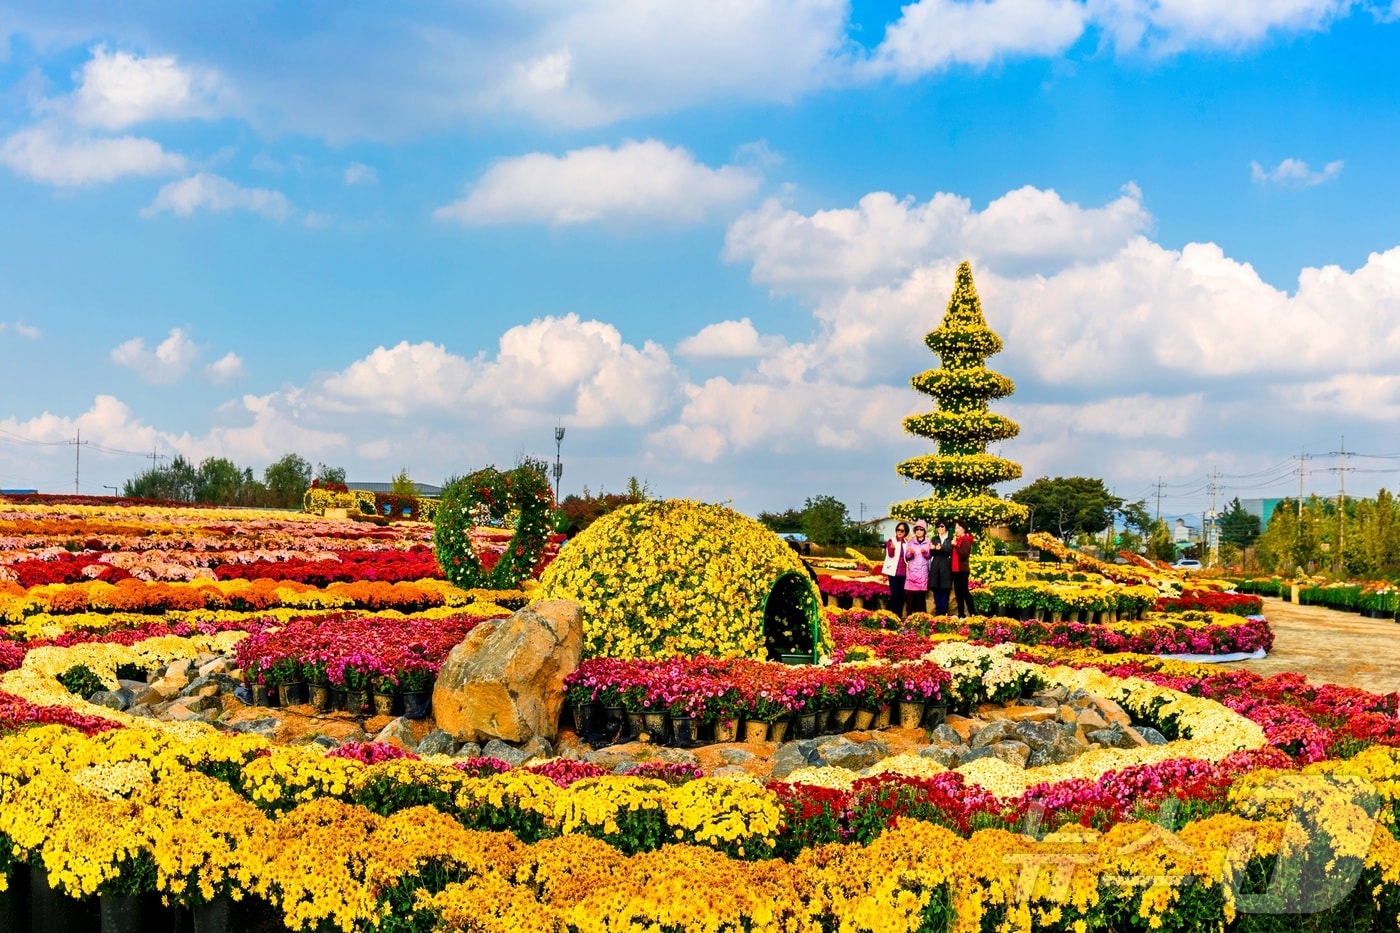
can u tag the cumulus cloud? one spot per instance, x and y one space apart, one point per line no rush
114 91
227 368
52 155
884 237
933 34
1293 173
635 181
357 173
729 340
169 361
1372 396
205 191
544 369
1170 26
121 89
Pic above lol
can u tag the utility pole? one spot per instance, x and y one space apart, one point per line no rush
1302 471
1341 501
1159 484
77 443
862 513
1213 542
558 462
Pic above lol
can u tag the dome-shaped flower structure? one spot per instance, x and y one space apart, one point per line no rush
680 578
962 472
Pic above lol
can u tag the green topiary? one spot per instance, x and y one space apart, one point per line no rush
519 498
962 472
680 578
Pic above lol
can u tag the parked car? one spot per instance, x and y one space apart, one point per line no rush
1187 563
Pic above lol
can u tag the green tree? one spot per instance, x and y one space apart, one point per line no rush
330 475
220 481
287 480
1069 505
177 481
786 522
1160 545
962 472
1237 526
824 520
402 485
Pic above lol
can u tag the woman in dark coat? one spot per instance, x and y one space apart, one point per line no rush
940 568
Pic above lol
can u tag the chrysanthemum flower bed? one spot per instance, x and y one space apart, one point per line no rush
1183 836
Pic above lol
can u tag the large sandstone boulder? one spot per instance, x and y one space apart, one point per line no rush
506 679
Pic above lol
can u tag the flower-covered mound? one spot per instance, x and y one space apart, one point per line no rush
675 578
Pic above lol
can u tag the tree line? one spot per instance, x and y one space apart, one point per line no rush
220 481
1360 540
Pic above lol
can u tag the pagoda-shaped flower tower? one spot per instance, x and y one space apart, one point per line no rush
962 472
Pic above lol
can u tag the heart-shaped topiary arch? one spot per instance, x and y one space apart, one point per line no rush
492 497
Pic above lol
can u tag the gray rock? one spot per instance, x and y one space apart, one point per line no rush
1038 734
112 699
437 742
945 755
1010 751
144 710
509 754
1109 738
325 742
729 771
266 726
947 735
537 747
736 756
995 732
201 686
675 756
854 756
794 755
1066 746
1058 694
216 666
467 750
1079 698
1152 736
398 732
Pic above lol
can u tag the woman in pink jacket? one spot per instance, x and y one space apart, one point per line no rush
917 552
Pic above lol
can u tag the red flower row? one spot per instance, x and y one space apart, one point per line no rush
711 689
355 652
1240 604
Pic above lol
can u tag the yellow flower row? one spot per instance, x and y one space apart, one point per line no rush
333 864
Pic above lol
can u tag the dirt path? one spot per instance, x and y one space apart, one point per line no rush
1331 647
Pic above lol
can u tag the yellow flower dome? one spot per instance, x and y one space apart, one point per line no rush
677 578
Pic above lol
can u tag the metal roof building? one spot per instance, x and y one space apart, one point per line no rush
427 490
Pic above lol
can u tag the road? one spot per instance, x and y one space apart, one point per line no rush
1331 647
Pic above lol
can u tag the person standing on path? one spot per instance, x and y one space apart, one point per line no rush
962 558
917 553
940 568
895 568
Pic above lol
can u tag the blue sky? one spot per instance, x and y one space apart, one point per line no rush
707 238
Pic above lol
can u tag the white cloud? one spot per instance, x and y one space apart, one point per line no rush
23 330
49 154
1126 417
1173 26
357 173
227 368
1365 395
120 89
170 360
884 237
1293 173
729 340
216 193
542 370
934 34
635 181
